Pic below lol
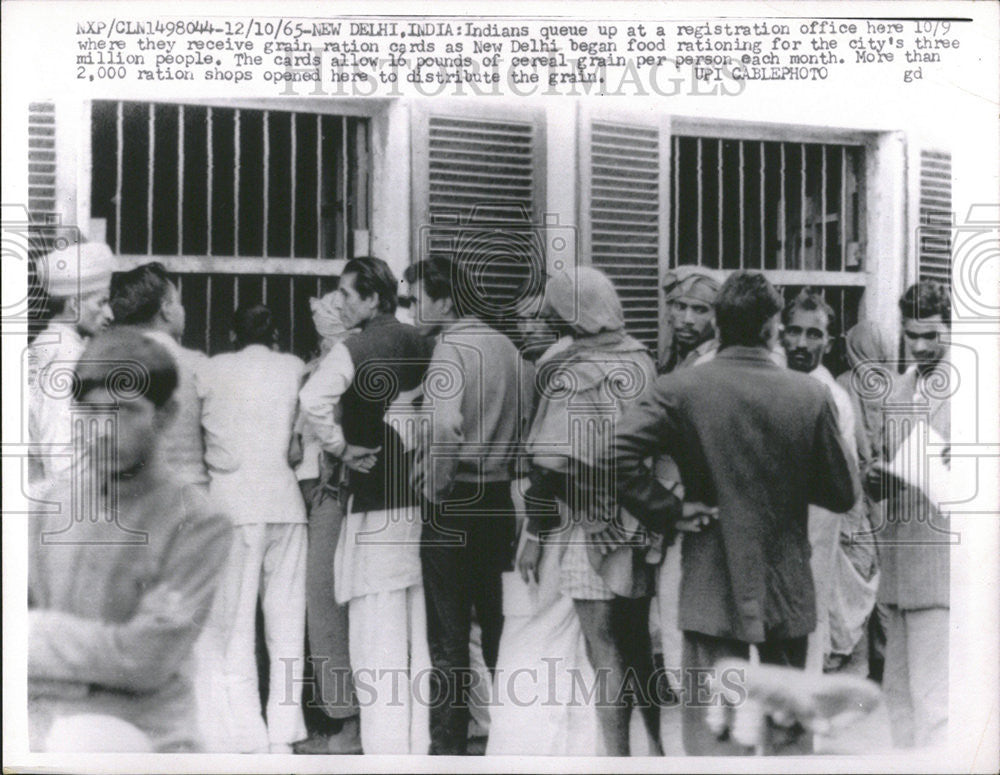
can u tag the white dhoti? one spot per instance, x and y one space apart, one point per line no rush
268 560
377 574
824 539
543 678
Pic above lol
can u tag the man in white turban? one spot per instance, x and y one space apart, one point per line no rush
76 279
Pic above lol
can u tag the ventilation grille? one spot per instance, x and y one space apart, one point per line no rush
934 244
481 200
624 213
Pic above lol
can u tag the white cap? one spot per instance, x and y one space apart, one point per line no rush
81 268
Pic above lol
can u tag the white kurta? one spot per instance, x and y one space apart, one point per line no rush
249 402
51 360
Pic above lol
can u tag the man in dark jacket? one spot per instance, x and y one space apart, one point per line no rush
376 566
760 443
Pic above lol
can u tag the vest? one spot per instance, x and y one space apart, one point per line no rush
388 357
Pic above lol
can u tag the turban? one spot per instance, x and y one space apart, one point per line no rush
326 316
81 268
694 282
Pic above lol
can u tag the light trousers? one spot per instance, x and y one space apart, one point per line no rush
915 679
269 561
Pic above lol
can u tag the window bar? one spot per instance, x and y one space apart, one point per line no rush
120 151
236 183
291 288
211 170
361 160
742 202
150 170
291 193
675 203
802 208
319 187
843 207
763 217
180 287
208 306
721 214
180 181
783 225
344 183
236 292
263 289
700 193
822 208
267 165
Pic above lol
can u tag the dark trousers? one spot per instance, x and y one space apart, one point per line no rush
326 620
467 542
700 654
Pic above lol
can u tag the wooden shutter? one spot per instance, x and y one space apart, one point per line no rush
478 197
624 211
41 197
935 214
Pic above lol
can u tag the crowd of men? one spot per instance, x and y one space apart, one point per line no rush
433 504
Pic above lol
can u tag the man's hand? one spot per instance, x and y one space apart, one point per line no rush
695 517
360 459
528 559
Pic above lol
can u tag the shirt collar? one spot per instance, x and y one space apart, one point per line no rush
739 352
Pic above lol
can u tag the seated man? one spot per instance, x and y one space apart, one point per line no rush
122 569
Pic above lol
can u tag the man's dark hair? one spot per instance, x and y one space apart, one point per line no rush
373 276
926 299
129 365
253 324
810 299
745 303
442 278
138 295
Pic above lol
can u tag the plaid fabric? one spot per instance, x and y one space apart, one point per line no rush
578 579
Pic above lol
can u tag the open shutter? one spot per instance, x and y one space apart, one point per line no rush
935 214
624 214
478 196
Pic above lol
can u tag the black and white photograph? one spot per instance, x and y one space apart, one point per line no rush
537 384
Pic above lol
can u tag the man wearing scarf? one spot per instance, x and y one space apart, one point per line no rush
587 386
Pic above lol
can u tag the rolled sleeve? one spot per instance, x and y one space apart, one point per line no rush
321 395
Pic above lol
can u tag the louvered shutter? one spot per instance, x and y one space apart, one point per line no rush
624 202
41 196
934 243
478 197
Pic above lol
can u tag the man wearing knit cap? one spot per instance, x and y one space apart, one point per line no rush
690 295
76 279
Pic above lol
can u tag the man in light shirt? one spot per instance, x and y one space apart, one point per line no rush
915 539
250 398
76 279
807 322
